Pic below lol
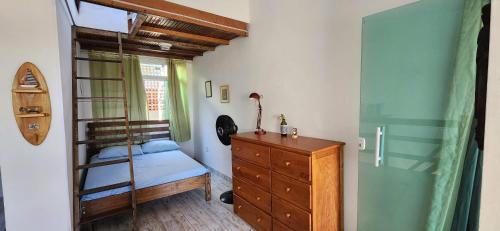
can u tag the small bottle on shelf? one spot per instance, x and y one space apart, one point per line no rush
283 125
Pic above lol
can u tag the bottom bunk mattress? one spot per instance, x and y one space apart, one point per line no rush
149 170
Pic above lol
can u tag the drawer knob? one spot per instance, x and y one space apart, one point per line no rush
288 163
238 148
257 154
239 188
238 168
288 189
239 206
288 215
257 176
258 219
258 198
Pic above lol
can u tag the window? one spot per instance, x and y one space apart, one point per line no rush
154 73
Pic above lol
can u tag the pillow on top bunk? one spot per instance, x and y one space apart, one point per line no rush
119 151
159 146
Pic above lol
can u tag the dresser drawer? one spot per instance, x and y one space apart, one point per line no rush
252 173
252 194
278 226
252 215
291 164
291 190
254 153
291 215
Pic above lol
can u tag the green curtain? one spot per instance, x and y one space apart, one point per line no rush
180 127
136 93
459 118
466 217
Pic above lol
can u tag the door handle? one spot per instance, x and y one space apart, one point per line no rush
379 146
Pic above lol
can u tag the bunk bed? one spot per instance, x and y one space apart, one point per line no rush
157 174
104 188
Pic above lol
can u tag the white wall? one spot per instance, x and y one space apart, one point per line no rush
235 9
35 178
64 24
305 58
99 17
490 201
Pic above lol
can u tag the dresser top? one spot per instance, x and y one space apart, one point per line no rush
302 143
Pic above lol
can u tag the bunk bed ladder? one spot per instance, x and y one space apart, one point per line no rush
78 191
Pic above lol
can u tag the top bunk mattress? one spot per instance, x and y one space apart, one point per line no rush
149 170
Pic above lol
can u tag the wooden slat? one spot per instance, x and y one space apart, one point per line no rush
142 47
138 39
104 163
100 119
179 13
132 130
102 141
97 32
104 188
110 213
174 43
136 52
132 123
183 35
137 24
98 60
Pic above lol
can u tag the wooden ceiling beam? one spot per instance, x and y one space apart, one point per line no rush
162 54
131 46
137 24
178 12
184 45
104 33
183 35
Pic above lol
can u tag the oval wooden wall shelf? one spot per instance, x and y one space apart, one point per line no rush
31 103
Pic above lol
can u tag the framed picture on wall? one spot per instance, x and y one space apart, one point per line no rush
208 89
224 94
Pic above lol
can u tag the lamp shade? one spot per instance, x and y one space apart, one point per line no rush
254 96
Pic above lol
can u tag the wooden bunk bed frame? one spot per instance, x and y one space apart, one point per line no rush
140 131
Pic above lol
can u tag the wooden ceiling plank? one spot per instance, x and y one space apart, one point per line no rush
183 35
175 43
137 24
110 34
86 30
178 12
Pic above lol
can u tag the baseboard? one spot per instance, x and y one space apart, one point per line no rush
213 171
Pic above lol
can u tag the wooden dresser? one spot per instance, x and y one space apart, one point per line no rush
281 183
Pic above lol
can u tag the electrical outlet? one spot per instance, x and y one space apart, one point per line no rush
361 143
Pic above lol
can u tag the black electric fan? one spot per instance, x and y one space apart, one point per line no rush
226 127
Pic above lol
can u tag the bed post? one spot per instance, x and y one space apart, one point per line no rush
208 189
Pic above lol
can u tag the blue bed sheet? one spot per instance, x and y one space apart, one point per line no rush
149 170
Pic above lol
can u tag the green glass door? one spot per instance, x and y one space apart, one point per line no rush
407 64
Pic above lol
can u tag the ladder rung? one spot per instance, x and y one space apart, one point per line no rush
99 60
99 78
104 163
107 214
102 141
100 98
100 119
104 188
